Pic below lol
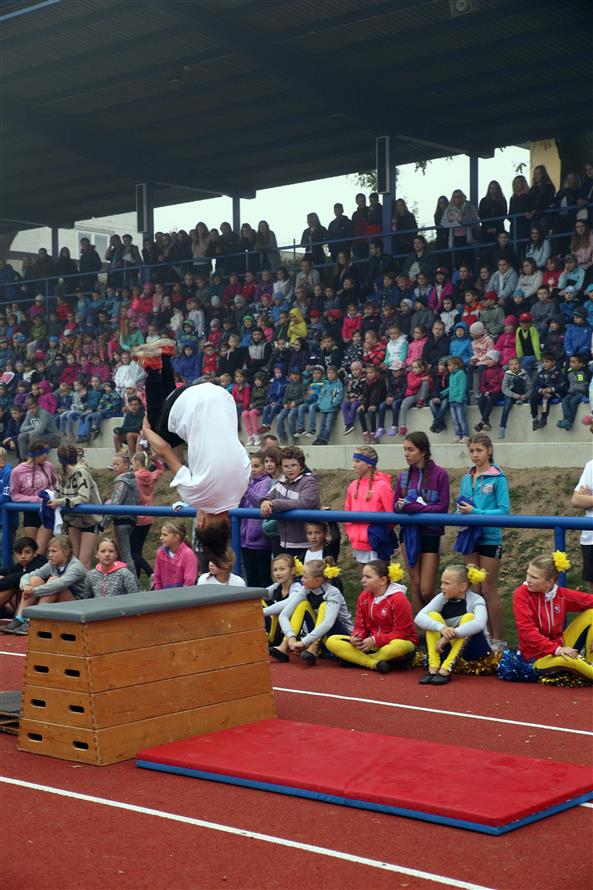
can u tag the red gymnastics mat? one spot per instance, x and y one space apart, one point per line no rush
463 787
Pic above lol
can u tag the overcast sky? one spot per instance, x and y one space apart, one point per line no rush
286 208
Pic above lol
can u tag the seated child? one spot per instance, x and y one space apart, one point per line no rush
176 564
25 560
490 389
550 383
284 586
110 577
540 608
219 571
454 620
577 390
320 606
59 579
516 388
384 635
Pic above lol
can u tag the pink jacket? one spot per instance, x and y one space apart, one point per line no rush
507 346
380 501
415 350
145 483
177 569
26 480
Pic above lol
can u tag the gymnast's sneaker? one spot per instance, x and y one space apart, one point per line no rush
148 355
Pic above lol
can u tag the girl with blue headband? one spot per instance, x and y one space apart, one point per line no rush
370 492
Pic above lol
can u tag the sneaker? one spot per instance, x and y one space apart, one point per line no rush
383 667
433 427
392 431
298 434
265 428
456 441
366 438
249 442
502 432
347 430
535 425
95 432
379 434
13 626
420 403
309 435
403 430
479 427
464 440
149 362
23 629
308 658
257 441
319 441
486 427
543 422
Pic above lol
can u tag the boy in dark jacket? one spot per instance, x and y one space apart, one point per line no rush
294 395
25 560
550 383
578 387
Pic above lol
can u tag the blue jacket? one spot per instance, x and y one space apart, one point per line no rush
456 390
277 390
577 339
490 494
461 346
189 367
331 395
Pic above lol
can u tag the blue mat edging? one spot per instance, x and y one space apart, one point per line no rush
493 830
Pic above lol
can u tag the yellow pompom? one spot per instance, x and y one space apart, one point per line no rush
476 575
561 561
396 573
331 572
298 567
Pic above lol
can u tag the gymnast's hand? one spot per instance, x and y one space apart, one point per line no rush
566 652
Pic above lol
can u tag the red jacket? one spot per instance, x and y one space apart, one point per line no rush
491 379
350 326
540 622
210 363
242 396
376 355
385 618
414 382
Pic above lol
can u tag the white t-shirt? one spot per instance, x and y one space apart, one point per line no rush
216 479
587 479
313 554
234 580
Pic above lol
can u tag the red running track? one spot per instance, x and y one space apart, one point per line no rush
103 847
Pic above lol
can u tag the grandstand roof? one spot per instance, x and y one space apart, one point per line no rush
230 96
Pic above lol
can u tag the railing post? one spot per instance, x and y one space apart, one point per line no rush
236 541
6 549
560 544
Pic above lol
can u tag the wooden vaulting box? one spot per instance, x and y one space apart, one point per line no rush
107 677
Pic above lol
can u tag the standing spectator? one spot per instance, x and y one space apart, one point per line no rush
5 473
369 492
563 221
485 491
313 239
66 268
131 259
176 564
339 228
267 247
404 227
460 218
331 396
493 204
581 244
541 196
9 288
89 264
442 234
38 424
146 480
422 488
297 489
519 212
75 486
256 548
125 493
538 248
45 267
360 247
456 394
33 475
251 262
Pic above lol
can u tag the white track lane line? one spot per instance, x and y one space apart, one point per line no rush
251 835
16 654
390 704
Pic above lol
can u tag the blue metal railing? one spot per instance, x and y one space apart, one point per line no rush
560 524
48 284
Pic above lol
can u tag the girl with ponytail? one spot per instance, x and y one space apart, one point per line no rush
370 492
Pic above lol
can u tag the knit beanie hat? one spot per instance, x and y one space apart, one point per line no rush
477 328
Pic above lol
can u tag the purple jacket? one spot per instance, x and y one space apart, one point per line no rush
252 535
432 485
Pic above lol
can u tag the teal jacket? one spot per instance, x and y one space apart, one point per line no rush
456 392
331 396
490 495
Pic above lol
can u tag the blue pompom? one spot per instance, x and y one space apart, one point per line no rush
513 667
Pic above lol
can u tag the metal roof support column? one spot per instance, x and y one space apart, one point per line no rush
474 195
55 242
236 213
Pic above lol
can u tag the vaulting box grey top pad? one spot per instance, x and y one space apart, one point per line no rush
142 603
